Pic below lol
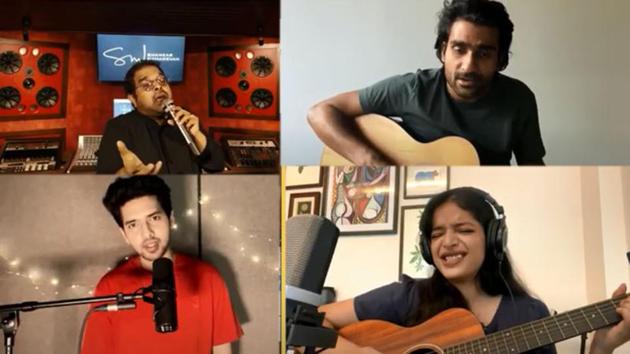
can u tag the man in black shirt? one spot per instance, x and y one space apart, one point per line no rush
144 141
467 97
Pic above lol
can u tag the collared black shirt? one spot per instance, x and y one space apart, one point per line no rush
153 142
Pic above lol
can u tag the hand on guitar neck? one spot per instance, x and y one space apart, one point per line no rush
609 338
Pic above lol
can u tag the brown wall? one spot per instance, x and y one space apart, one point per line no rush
89 102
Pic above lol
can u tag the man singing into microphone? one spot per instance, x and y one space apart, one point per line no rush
147 140
141 206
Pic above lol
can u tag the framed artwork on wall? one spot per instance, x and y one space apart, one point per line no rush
304 176
411 261
304 203
425 181
362 200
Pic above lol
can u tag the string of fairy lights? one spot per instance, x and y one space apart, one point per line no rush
47 282
251 253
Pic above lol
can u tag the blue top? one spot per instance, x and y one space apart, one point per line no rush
395 302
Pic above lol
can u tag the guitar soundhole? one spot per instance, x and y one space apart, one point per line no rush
423 351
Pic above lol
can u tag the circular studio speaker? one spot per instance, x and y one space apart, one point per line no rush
9 97
243 85
10 62
48 64
225 97
262 66
225 66
261 98
47 97
28 83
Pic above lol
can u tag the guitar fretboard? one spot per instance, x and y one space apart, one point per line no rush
545 331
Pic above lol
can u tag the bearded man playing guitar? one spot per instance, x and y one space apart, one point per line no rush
464 235
467 97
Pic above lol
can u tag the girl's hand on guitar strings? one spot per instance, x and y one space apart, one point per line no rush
607 339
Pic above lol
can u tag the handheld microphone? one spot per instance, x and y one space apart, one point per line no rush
168 109
164 306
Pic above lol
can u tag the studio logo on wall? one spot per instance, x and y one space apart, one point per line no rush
243 81
32 79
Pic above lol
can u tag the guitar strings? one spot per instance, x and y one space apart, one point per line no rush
555 330
498 340
497 343
488 345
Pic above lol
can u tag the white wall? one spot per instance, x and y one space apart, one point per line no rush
614 227
550 223
569 52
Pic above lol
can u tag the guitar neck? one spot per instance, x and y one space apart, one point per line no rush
545 331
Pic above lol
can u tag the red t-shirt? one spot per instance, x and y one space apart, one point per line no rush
204 313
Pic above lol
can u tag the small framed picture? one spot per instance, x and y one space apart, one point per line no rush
425 181
304 203
362 200
304 177
411 261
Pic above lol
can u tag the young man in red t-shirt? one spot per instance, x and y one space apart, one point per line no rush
141 206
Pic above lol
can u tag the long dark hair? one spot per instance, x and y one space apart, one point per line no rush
480 12
438 294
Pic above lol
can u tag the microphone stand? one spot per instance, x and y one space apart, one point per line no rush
304 329
10 314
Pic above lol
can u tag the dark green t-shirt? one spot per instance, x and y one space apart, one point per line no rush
503 122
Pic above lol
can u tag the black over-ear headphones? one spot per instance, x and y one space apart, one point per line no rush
496 232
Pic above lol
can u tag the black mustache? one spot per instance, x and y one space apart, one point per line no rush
468 76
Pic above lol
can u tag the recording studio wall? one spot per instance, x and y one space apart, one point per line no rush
33 79
243 81
88 102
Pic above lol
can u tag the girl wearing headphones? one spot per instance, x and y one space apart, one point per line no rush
463 234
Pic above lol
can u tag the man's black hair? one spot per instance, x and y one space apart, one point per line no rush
129 84
480 12
126 189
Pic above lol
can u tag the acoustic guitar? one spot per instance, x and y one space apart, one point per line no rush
393 142
457 331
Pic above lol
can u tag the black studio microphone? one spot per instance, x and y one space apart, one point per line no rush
310 244
164 306
168 109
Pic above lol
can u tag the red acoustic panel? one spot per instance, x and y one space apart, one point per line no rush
32 79
243 81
